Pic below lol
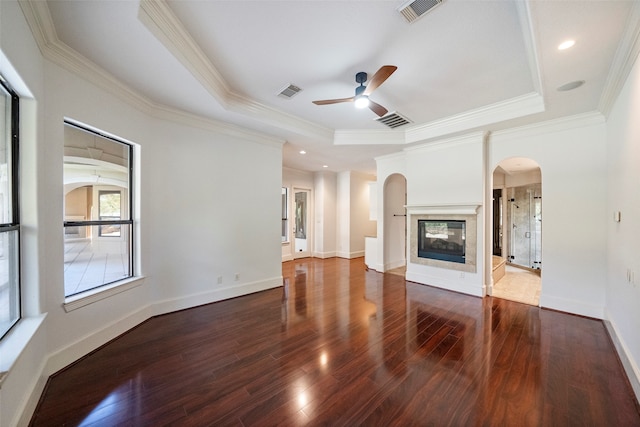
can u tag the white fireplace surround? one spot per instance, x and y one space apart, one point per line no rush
466 212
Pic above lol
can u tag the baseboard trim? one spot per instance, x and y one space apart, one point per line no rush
194 300
570 306
628 364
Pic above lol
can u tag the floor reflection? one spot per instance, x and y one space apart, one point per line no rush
340 345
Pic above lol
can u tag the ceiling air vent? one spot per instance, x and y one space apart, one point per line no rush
289 91
415 9
393 120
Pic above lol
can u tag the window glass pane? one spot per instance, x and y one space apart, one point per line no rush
96 183
285 222
5 158
9 281
91 263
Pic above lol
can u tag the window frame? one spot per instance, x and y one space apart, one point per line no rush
285 215
129 213
14 225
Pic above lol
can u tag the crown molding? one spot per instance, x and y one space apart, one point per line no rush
158 17
368 137
167 28
623 61
529 38
39 20
520 106
551 126
469 138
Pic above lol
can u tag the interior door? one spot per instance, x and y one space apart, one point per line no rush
301 224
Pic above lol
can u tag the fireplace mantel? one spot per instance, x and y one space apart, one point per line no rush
446 209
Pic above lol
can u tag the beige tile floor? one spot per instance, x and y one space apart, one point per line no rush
517 285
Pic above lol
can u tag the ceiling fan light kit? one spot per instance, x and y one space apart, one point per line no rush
361 97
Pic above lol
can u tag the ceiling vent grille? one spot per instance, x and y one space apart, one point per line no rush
393 120
415 9
289 91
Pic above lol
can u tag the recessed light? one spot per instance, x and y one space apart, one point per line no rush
325 166
566 44
570 86
303 152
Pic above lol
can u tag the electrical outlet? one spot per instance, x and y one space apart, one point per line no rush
219 280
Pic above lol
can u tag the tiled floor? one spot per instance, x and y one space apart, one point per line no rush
518 285
88 265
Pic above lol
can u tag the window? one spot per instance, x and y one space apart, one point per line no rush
98 224
285 221
109 209
9 212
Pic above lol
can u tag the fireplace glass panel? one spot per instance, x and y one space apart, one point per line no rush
442 240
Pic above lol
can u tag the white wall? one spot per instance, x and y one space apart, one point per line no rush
448 173
202 214
325 187
395 227
361 225
623 292
572 156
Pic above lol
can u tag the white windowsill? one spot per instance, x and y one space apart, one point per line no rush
16 341
89 297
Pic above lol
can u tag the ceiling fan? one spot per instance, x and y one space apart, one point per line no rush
361 98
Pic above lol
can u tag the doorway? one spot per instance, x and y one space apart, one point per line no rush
301 229
395 224
517 231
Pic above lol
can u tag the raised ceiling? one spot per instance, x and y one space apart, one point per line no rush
464 66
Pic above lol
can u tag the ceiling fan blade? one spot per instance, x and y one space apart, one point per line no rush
377 108
333 101
379 77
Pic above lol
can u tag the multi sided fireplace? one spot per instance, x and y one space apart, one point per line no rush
442 239
443 236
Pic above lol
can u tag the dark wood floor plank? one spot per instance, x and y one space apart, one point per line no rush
342 346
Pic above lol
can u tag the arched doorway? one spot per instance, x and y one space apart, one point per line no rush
395 223
517 230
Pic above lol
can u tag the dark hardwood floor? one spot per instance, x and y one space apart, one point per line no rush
339 345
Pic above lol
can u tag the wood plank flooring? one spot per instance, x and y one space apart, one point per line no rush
339 345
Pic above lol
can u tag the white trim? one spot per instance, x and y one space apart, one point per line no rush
220 294
16 340
39 20
623 61
571 306
550 126
629 365
89 297
520 106
469 138
369 137
324 255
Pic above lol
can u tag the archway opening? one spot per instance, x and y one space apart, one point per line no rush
517 231
395 224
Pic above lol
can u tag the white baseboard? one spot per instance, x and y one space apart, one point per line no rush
395 264
85 345
350 255
194 300
324 255
629 365
571 306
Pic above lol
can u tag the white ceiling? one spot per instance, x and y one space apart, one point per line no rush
466 65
